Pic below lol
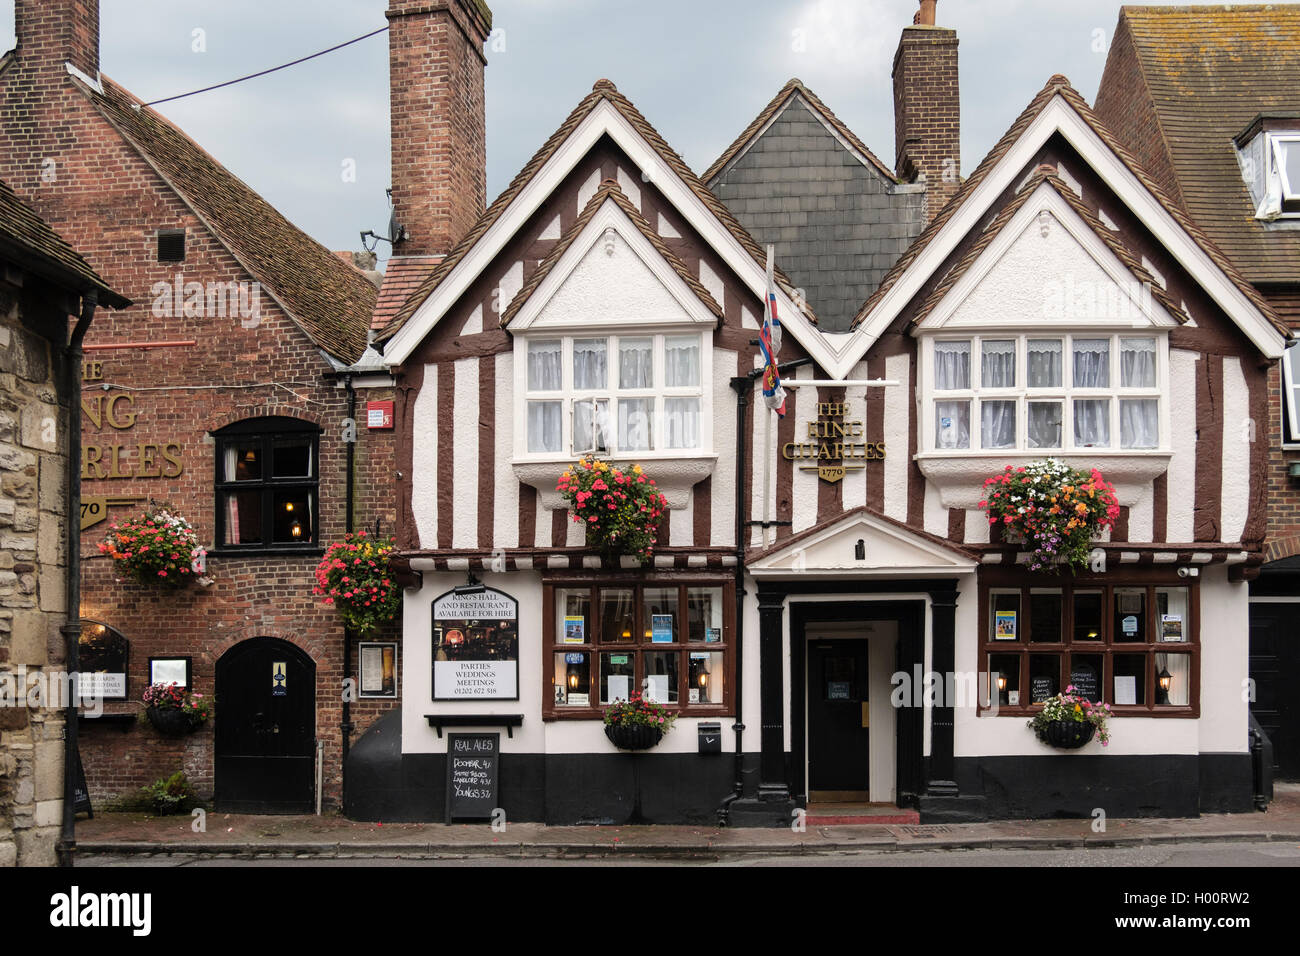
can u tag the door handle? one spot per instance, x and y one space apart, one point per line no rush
866 713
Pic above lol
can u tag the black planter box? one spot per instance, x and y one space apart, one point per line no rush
633 736
1069 734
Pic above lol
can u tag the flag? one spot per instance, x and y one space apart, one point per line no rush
769 344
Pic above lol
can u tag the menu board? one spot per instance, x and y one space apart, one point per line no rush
1041 688
473 775
1084 679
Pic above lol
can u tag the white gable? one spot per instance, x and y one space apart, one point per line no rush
1047 265
611 276
886 548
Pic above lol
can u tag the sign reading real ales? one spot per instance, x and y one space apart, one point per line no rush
833 445
475 645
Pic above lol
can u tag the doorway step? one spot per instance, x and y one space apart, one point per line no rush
853 814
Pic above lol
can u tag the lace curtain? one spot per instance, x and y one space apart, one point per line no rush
682 422
952 424
635 424
1092 423
545 426
1043 359
589 363
1138 423
997 424
1092 363
951 365
682 362
1137 363
998 365
635 363
1044 424
545 367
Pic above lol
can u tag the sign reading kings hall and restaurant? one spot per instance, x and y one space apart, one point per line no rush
476 645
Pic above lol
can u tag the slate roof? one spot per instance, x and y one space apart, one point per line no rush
608 190
800 179
1209 71
602 91
28 238
329 299
1060 85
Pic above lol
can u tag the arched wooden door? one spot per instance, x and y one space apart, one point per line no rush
265 728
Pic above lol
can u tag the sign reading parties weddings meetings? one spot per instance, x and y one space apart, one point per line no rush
475 645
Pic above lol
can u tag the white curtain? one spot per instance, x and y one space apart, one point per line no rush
635 421
682 362
952 424
232 499
545 426
1092 363
682 422
1044 363
1044 424
589 363
1137 363
951 365
997 424
635 363
1138 423
590 425
1092 423
998 365
1179 668
545 367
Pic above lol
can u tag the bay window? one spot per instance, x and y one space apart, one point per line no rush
613 394
1045 393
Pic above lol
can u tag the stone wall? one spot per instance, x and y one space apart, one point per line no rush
33 418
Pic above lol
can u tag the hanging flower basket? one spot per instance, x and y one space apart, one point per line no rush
621 510
354 578
1053 509
174 712
1068 721
637 723
1068 734
169 722
633 736
158 548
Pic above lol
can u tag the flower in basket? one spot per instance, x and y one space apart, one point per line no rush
1056 510
638 710
158 547
172 697
1071 708
354 578
622 510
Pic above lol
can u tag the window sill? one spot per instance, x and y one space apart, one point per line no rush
598 713
959 475
674 477
312 551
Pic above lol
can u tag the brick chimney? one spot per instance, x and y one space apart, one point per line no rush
51 33
439 142
927 109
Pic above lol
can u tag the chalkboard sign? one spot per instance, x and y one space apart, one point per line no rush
80 792
473 772
1041 688
1084 679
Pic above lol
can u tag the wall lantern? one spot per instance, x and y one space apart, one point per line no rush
860 550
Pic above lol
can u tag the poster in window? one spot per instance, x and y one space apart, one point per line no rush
1171 627
712 635
1125 689
476 645
661 628
378 663
1004 625
103 655
575 629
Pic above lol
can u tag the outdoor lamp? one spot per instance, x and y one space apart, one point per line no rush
704 679
573 680
1165 679
296 530
1002 682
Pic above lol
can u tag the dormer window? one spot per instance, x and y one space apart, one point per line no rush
1291 396
1269 154
1286 159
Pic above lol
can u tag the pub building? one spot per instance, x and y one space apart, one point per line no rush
827 611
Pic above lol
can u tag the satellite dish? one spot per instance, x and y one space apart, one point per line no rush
396 231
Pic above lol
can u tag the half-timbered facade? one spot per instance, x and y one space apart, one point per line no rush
823 598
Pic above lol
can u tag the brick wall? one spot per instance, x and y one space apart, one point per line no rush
927 112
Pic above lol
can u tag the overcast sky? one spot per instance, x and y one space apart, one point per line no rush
699 71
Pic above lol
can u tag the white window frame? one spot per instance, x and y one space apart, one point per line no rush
569 396
1022 394
1290 190
1290 404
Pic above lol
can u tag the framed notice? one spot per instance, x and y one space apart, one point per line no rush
170 670
103 653
1171 627
378 665
661 628
476 645
575 629
1004 625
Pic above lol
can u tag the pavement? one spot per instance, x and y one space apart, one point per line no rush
247 836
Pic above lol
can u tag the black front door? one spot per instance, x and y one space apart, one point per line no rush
837 719
265 728
1275 668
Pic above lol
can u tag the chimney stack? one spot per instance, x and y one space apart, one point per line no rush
51 33
436 104
927 109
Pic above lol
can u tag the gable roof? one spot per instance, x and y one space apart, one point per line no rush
792 90
603 94
329 299
28 238
1047 174
608 190
402 277
1209 71
1057 108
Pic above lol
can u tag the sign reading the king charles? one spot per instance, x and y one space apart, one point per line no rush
834 446
475 645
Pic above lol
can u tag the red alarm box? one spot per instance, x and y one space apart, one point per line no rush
379 414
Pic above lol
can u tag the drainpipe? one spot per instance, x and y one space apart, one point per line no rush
72 624
349 494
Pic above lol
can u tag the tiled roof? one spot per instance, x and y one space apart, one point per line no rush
24 233
608 190
1059 85
1048 174
792 88
329 299
402 277
602 91
1209 72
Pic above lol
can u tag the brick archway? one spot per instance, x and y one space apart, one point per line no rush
1285 547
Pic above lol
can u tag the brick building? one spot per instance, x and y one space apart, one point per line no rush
228 392
44 283
1208 99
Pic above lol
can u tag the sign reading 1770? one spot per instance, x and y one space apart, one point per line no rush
834 445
